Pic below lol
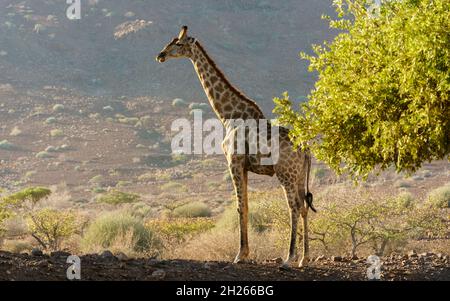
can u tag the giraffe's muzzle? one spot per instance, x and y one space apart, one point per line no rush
161 57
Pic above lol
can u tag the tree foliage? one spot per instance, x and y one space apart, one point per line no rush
50 227
383 88
31 195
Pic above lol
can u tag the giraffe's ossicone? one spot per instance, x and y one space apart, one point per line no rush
292 167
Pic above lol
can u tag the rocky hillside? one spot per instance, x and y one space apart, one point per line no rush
256 43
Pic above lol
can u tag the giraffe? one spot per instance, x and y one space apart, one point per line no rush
292 167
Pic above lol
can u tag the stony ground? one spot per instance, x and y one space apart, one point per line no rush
426 266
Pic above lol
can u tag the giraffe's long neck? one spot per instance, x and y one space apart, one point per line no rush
226 101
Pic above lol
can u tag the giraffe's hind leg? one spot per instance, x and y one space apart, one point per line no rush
304 213
293 200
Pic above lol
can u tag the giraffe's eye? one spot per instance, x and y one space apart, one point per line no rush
179 44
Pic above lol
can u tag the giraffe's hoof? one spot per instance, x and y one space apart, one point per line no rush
304 262
286 266
241 258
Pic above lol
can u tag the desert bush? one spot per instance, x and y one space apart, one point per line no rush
194 209
51 149
15 131
98 179
174 187
50 120
50 227
15 226
6 145
209 163
55 133
140 210
129 120
178 102
43 155
124 184
440 197
17 246
58 108
98 190
198 106
174 232
119 231
116 197
405 199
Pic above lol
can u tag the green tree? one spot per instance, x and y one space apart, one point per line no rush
50 227
383 88
28 197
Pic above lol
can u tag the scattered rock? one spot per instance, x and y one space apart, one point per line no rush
122 256
425 254
277 260
210 265
59 254
159 274
107 255
36 252
336 258
153 261
412 253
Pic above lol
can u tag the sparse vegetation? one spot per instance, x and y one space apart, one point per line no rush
440 197
50 120
116 197
174 232
58 108
178 102
174 187
43 155
6 145
119 231
15 131
56 133
194 209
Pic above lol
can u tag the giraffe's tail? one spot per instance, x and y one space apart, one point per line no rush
309 195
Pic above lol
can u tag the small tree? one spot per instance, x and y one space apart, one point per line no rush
29 197
50 227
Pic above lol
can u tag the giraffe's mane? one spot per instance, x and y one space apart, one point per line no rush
225 79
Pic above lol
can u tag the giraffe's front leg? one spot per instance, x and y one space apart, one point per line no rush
239 176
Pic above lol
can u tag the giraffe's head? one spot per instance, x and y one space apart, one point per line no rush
178 47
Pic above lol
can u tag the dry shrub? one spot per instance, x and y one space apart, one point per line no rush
119 231
17 246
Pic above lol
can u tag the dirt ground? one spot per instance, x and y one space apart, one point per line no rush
53 267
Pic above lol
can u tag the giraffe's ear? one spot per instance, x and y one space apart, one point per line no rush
183 33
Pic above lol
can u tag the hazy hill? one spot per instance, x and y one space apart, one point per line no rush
255 42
